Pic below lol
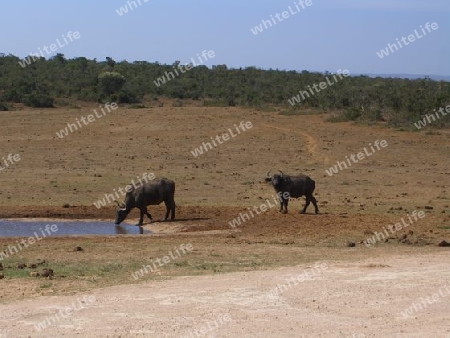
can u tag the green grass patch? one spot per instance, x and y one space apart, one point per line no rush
45 285
215 103
136 106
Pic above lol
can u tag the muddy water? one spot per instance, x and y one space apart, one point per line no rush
20 228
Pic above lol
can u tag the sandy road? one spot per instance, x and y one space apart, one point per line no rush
364 298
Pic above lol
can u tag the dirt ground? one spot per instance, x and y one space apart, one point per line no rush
364 298
231 270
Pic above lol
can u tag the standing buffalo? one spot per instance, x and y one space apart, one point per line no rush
150 193
293 186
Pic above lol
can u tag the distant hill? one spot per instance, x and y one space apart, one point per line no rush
410 76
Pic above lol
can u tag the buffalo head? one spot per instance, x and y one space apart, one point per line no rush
121 213
276 180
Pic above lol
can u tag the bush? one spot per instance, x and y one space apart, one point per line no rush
215 103
3 107
38 101
374 115
351 114
125 97
136 106
110 82
177 103
87 94
11 95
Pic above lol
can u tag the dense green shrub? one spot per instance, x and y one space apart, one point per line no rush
351 114
38 101
4 106
396 101
110 82
126 97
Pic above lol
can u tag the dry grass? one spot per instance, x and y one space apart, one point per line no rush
411 173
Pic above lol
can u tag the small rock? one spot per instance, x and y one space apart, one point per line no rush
2 275
444 243
46 272
402 238
351 244
427 207
66 205
79 248
20 266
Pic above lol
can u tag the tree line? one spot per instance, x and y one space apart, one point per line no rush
39 81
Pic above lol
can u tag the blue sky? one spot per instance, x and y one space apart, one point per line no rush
326 36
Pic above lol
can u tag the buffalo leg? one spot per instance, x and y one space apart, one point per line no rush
168 207
172 211
286 201
148 214
308 201
314 201
144 212
280 199
141 218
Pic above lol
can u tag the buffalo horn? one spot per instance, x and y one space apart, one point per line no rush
119 205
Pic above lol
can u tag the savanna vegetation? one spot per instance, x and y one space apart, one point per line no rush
37 83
